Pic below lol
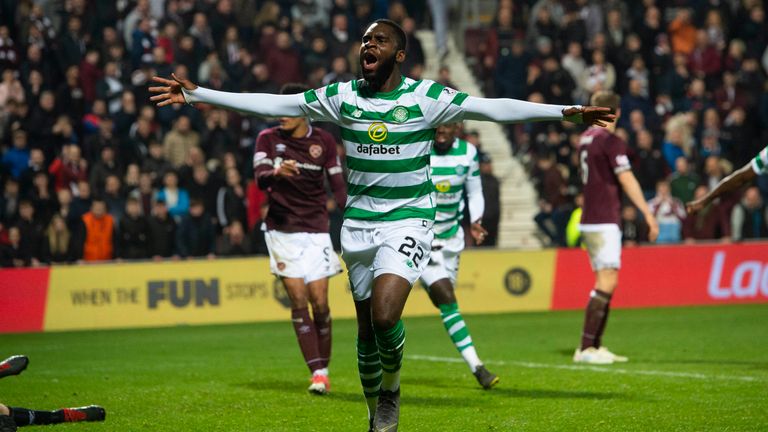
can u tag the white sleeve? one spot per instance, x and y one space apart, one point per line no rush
261 104
474 188
503 110
760 162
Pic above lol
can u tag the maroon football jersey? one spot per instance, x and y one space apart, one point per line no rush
602 156
298 203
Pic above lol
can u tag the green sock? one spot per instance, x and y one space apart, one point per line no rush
459 333
369 367
391 343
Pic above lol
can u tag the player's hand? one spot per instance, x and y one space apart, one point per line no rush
287 168
653 228
590 115
170 90
694 206
478 232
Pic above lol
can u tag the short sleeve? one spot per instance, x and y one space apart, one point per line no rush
760 162
617 155
443 104
324 103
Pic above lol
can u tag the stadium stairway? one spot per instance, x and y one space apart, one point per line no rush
518 198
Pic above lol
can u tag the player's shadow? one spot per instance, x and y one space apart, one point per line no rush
556 394
274 384
512 392
410 399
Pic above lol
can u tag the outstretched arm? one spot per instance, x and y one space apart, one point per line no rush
635 193
503 110
177 90
728 184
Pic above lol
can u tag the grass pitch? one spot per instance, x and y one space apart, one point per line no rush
692 369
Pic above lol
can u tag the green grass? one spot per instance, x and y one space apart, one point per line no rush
251 377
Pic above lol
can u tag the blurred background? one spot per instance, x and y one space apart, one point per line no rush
84 153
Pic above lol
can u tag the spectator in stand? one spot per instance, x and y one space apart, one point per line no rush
749 218
105 167
110 88
512 72
682 32
492 195
574 63
59 245
633 101
82 201
284 60
31 230
677 141
669 212
179 141
9 201
683 181
634 230
99 233
134 234
704 61
11 253
599 75
16 159
729 95
10 88
709 223
234 241
415 57
552 218
195 234
155 163
176 199
69 169
162 229
230 201
42 197
649 165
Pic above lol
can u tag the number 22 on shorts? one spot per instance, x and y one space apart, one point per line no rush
407 249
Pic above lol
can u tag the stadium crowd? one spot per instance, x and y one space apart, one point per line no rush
692 76
92 171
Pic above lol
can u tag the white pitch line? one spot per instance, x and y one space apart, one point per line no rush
530 365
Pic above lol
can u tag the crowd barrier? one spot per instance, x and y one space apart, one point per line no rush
152 294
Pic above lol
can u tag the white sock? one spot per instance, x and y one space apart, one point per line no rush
470 356
390 381
323 372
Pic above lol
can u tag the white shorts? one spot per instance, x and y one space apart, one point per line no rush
308 256
603 242
400 248
444 262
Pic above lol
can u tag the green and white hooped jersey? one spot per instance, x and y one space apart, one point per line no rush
451 172
388 138
760 162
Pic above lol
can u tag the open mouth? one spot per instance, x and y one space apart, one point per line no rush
370 61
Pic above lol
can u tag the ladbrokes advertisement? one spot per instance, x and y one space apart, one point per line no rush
670 276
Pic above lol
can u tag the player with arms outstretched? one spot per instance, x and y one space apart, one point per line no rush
13 417
605 172
740 177
387 126
291 162
456 174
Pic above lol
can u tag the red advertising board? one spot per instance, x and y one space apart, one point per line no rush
670 276
23 294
